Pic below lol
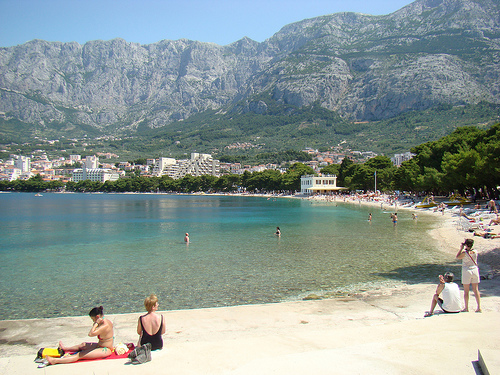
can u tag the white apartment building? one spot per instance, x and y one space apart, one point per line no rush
318 184
23 163
75 158
94 174
91 162
198 165
163 166
398 159
10 174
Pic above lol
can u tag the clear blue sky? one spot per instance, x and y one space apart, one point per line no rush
149 21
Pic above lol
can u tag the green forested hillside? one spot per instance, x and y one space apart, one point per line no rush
285 128
244 135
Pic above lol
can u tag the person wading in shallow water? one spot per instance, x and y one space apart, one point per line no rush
394 218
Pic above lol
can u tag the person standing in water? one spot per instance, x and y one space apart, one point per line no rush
394 218
278 231
186 238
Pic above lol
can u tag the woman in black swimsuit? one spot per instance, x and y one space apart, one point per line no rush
150 327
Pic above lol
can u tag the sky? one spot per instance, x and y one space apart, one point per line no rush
149 21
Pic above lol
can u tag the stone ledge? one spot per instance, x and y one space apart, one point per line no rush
489 361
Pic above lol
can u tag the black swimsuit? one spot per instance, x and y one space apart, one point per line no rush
156 340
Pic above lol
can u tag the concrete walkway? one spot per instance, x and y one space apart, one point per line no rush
382 334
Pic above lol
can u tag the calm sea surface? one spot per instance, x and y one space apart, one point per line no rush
62 254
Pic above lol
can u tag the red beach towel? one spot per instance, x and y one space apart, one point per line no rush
113 355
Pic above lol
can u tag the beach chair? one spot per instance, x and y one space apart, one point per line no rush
467 225
462 224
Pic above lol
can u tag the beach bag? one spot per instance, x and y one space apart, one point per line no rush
141 354
48 352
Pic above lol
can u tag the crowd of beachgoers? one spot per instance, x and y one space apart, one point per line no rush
480 218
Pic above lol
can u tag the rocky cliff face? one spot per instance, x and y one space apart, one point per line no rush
364 67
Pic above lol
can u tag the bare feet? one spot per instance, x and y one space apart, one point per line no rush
479 311
465 310
44 363
427 314
61 346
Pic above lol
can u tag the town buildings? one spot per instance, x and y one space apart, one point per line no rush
24 167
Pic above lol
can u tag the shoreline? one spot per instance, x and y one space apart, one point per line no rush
252 333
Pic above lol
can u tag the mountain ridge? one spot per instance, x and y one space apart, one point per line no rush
363 67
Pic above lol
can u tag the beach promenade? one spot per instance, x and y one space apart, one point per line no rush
383 334
379 331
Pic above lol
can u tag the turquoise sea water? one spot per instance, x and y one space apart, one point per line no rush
62 254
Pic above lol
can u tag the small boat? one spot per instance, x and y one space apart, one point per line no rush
427 202
456 199
38 195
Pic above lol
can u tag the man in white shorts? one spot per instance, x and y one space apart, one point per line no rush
470 272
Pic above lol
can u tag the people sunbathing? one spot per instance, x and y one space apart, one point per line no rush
102 328
151 326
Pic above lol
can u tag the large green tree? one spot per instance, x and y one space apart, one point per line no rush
406 176
291 179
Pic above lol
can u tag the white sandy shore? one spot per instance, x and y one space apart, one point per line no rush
376 332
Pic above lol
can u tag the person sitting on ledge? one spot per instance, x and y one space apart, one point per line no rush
150 327
451 301
102 328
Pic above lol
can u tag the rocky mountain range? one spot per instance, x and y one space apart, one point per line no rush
363 67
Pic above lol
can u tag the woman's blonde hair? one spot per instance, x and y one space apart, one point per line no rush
150 302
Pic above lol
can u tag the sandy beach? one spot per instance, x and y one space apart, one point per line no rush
379 331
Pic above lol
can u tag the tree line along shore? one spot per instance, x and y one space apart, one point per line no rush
465 162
